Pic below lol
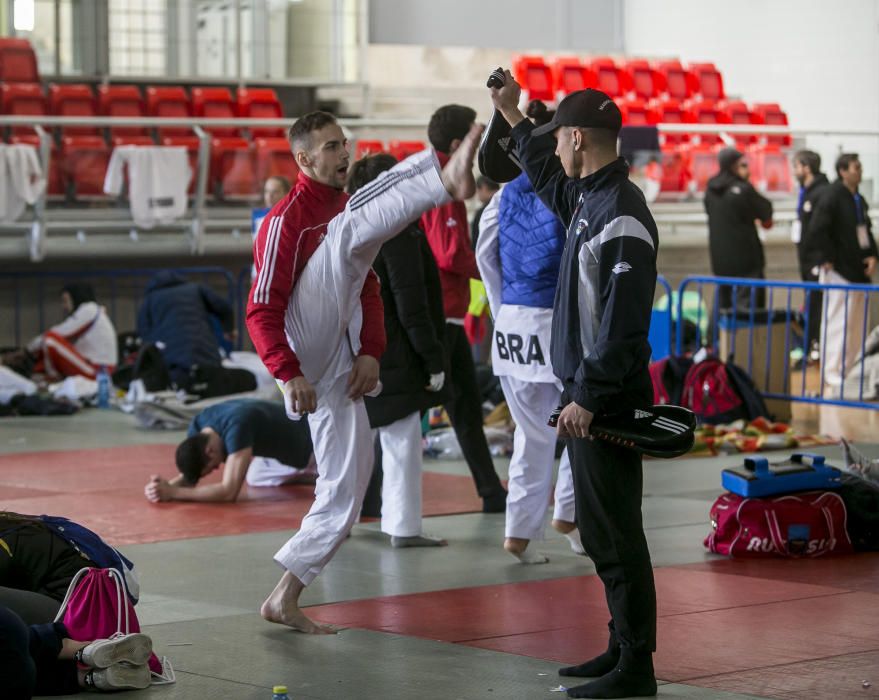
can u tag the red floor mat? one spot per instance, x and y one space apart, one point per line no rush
709 624
103 490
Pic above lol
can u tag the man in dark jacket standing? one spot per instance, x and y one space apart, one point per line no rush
183 318
841 235
447 233
412 368
600 354
807 170
733 205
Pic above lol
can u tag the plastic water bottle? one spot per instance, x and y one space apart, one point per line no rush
103 388
279 692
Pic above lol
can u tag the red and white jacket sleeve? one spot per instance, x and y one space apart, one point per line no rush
274 255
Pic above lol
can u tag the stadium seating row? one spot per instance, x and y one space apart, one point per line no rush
398 149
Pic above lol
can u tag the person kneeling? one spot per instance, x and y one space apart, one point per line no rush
252 440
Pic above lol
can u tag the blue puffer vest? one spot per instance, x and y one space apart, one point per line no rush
531 241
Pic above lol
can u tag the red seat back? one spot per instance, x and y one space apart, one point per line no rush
368 147
18 62
170 103
702 165
610 78
232 171
274 158
771 169
404 149
22 99
535 77
737 112
260 103
215 103
646 81
770 113
709 81
121 101
636 112
570 74
73 100
706 112
679 83
671 111
85 160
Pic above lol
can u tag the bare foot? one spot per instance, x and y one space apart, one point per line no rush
457 176
517 547
563 526
417 541
282 607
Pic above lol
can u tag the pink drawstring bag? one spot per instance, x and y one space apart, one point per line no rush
97 607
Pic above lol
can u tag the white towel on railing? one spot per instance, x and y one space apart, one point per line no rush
21 179
158 177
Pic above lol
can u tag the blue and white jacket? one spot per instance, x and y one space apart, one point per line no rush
601 314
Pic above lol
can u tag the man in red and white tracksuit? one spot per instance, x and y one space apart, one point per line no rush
316 319
448 234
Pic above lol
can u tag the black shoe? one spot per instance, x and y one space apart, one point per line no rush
496 503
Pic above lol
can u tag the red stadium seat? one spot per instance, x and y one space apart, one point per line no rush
404 149
215 103
636 112
274 157
645 80
679 83
671 111
73 100
737 112
770 169
702 164
55 181
85 160
121 101
570 74
368 147
675 175
610 78
535 77
132 141
709 81
232 168
22 99
706 112
18 62
260 103
169 103
771 114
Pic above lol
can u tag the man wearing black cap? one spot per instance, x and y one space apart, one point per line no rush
600 354
733 205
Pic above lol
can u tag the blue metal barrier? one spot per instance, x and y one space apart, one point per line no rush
753 306
117 290
661 335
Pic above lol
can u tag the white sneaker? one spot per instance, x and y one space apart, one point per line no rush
119 677
103 653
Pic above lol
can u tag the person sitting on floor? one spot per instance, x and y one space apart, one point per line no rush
253 440
82 343
43 660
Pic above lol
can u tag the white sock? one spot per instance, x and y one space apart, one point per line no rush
527 557
576 544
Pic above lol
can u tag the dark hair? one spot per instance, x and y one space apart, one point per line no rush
539 112
79 293
483 181
449 123
191 458
810 159
844 161
368 169
299 133
285 183
602 138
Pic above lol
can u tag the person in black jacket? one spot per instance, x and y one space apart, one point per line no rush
183 318
840 233
807 170
733 205
413 367
600 354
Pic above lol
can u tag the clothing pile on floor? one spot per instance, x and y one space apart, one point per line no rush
440 442
19 396
758 435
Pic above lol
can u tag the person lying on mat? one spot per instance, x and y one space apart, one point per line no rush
253 440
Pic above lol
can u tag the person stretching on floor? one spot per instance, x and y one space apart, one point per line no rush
316 320
253 440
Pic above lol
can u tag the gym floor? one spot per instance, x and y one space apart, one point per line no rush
466 621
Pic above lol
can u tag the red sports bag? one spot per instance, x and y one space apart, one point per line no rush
807 524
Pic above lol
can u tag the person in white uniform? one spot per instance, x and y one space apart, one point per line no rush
311 315
518 252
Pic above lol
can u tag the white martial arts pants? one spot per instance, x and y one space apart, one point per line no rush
842 324
266 471
534 442
324 305
401 481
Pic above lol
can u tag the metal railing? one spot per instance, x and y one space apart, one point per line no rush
767 326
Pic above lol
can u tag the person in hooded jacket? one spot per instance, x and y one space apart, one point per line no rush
733 205
413 367
181 317
518 252
82 343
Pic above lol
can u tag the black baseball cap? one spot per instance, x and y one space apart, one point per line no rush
587 109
